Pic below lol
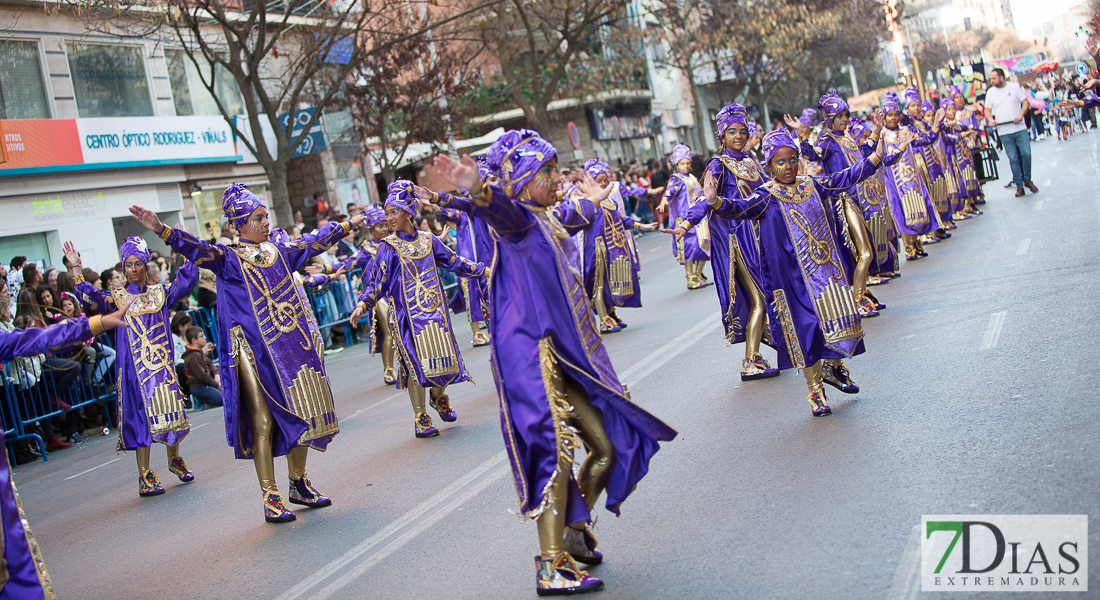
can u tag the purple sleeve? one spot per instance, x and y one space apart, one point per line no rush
576 214
186 279
451 215
814 154
455 202
923 139
94 299
35 341
299 251
637 192
510 220
375 281
842 180
448 260
202 253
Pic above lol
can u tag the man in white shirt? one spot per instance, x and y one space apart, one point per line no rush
1006 105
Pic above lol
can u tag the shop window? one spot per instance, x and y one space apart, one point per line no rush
110 81
22 91
31 245
190 95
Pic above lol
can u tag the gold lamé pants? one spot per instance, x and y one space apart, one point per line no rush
863 252
143 457
595 471
417 395
754 329
263 426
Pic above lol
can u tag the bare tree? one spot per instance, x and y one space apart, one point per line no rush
283 55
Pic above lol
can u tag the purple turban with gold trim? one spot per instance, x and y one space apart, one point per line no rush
730 114
595 166
753 127
780 138
239 202
280 236
484 169
911 96
137 247
400 193
831 105
955 91
890 102
374 215
858 128
926 106
517 156
680 152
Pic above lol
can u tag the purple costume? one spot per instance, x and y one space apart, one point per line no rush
27 578
876 213
736 176
906 187
150 404
814 315
263 319
683 193
404 272
475 243
837 151
540 315
608 251
928 155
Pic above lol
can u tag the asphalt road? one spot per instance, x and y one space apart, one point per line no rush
978 397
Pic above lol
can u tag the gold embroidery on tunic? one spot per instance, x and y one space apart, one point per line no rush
148 302
311 400
418 248
165 410
837 313
794 348
32 547
260 255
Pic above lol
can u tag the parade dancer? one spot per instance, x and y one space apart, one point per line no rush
879 219
556 384
150 404
955 137
837 151
735 245
475 243
906 182
23 574
928 161
381 336
610 259
685 191
405 272
967 116
277 398
816 322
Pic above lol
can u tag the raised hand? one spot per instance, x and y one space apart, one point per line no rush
1090 45
424 194
710 189
906 137
71 255
358 220
461 173
147 218
796 125
940 112
878 118
313 269
592 190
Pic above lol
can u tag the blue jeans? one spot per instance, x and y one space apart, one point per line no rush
1018 148
207 395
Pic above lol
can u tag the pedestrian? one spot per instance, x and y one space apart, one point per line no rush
150 404
277 399
1006 105
554 378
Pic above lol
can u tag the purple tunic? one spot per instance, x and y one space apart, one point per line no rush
961 162
472 295
404 272
932 155
263 319
906 188
737 176
364 260
150 404
609 246
27 575
540 314
684 193
814 315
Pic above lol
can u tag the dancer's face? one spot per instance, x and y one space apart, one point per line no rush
840 122
135 270
913 109
892 119
959 101
398 219
257 227
735 138
603 178
949 112
380 230
543 187
928 117
684 166
784 165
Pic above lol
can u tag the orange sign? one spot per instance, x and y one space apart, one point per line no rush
40 143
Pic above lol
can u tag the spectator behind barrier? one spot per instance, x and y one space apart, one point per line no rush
202 378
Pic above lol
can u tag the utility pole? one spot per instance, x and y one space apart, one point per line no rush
917 74
852 74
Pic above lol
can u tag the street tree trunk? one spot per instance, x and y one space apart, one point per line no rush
276 171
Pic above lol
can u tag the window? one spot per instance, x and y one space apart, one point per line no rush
190 95
109 81
22 91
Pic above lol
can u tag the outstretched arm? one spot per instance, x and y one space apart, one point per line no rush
202 253
69 335
299 251
510 220
450 261
185 281
86 293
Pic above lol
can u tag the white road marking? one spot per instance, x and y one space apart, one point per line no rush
906 582
993 330
490 471
1038 206
93 468
1022 249
366 408
200 426
1054 164
1047 183
652 250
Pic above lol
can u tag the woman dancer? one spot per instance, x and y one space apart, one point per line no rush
150 404
556 384
906 183
684 191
